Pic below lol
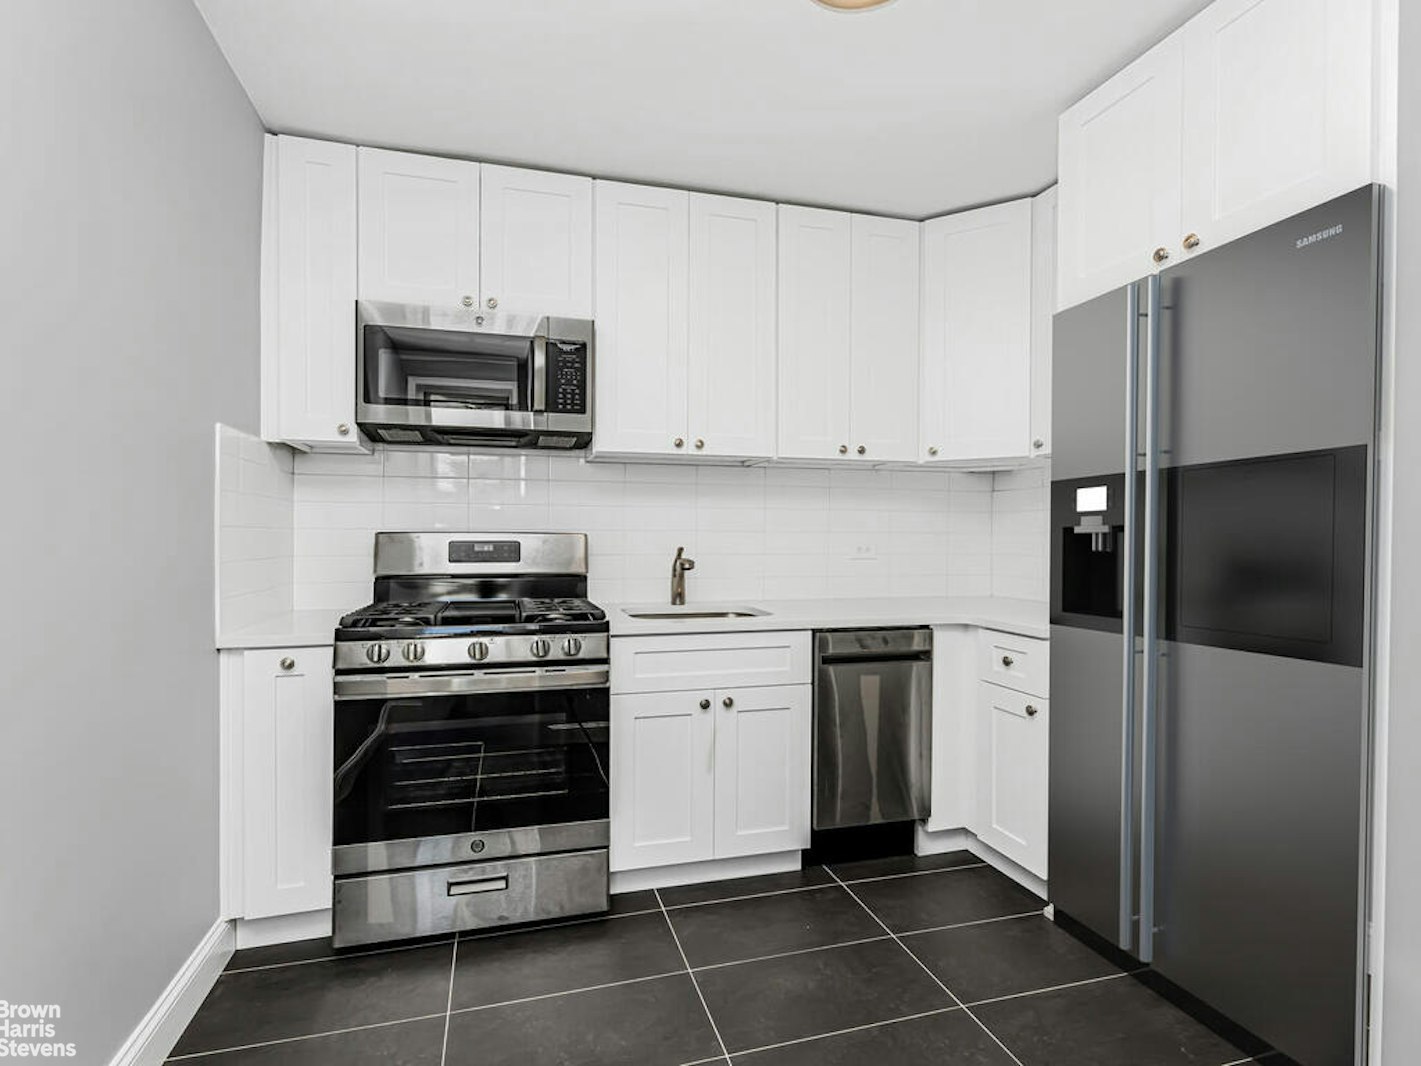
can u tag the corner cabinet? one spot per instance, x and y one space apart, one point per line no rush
278 709
704 764
685 314
1251 112
848 332
308 294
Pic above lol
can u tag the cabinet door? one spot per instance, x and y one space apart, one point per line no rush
1043 306
762 752
1013 760
814 360
642 266
419 228
286 758
732 327
1277 112
1119 163
309 371
535 242
976 353
663 786
884 338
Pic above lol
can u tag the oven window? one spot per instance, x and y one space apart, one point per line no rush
445 369
437 765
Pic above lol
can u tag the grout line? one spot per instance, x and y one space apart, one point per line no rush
748 895
566 992
337 958
1052 988
927 971
303 1036
692 974
842 1032
787 954
909 873
968 925
449 1003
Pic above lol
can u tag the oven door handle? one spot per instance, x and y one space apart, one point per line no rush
416 685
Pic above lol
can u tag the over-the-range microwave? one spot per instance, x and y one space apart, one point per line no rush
462 376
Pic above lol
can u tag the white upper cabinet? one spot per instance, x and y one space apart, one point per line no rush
1043 307
1120 152
977 317
731 404
884 338
643 236
535 246
814 347
308 294
1277 112
419 228
1253 111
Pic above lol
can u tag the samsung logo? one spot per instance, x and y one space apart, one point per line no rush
1320 235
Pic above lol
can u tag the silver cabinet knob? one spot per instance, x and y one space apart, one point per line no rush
491 302
1007 660
727 702
843 449
700 443
862 450
571 646
932 450
1191 242
343 429
1161 254
705 705
413 652
377 654
1038 444
680 442
540 648
478 650
467 301
1031 710
288 663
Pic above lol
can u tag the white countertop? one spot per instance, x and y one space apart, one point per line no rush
294 629
1027 618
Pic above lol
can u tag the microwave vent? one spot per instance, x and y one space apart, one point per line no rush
400 436
547 440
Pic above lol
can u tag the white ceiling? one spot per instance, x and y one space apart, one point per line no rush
916 108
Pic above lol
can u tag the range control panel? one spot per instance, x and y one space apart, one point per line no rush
567 378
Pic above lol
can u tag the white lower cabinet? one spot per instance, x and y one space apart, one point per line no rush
709 774
1013 766
285 717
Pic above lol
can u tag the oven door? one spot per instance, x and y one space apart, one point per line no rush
472 766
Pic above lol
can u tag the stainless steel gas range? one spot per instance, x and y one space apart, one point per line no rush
471 738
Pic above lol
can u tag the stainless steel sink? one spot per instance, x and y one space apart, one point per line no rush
696 612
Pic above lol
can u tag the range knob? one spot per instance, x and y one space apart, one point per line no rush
540 648
378 653
571 646
478 651
413 652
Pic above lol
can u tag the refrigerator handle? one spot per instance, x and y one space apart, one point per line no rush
1125 937
1150 628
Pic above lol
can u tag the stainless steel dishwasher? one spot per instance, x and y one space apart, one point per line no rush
872 726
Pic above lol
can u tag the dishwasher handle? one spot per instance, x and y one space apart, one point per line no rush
843 645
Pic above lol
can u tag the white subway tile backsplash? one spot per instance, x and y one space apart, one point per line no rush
254 530
1021 512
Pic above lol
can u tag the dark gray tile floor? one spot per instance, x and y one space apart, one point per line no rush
902 961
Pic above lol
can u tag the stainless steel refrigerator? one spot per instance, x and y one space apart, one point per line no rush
1211 622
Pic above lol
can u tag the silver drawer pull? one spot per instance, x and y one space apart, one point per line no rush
483 884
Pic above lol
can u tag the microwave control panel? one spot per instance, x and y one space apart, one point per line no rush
567 378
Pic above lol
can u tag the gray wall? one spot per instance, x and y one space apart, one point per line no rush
1401 986
130 187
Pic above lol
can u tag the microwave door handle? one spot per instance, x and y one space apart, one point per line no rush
540 374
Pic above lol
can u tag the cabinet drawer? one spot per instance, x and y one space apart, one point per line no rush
710 660
1021 663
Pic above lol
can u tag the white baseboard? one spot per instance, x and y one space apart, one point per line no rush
283 928
155 1036
930 843
692 873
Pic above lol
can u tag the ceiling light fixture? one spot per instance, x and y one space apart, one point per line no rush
851 5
